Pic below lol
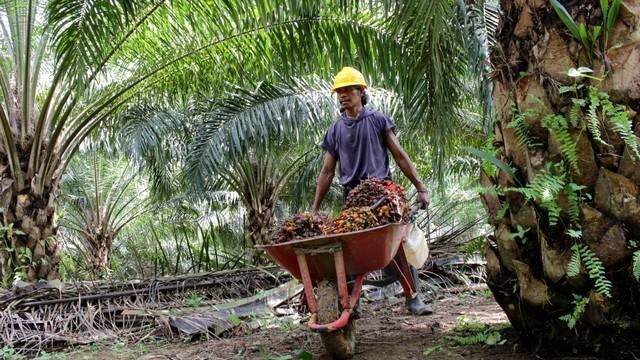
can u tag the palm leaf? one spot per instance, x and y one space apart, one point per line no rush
305 37
500 164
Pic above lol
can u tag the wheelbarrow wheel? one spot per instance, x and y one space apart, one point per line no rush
340 344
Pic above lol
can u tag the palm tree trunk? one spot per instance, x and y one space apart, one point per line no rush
257 185
528 275
101 250
259 225
30 248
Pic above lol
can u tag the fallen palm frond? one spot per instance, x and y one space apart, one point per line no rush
34 317
450 227
217 319
453 239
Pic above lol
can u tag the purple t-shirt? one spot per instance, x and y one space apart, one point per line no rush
359 146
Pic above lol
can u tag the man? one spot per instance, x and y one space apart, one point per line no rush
359 141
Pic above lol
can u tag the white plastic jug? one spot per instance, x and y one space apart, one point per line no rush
415 247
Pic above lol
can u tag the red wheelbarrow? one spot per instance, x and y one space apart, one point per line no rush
327 261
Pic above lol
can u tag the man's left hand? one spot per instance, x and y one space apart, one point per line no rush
423 197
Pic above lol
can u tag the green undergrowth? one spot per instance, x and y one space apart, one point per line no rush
468 333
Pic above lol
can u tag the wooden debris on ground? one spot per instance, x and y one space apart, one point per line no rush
43 316
217 319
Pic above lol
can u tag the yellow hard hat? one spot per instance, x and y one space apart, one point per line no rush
348 76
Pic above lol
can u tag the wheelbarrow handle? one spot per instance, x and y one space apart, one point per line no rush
413 210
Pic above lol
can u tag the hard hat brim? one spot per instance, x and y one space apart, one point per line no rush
334 88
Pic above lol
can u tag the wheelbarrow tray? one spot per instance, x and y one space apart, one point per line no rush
364 251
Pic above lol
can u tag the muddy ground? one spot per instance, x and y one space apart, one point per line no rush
385 331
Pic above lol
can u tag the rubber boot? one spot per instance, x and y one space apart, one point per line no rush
357 313
415 305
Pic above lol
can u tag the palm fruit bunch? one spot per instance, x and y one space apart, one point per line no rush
354 219
302 226
371 190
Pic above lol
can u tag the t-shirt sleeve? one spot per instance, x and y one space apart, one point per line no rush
386 124
329 142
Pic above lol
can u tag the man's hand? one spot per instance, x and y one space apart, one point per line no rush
423 197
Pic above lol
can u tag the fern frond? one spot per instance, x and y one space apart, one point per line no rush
574 112
545 188
573 200
477 334
568 147
489 167
474 246
621 124
595 269
636 265
496 190
574 233
579 306
616 115
473 339
546 185
593 121
554 121
583 254
553 211
525 139
573 268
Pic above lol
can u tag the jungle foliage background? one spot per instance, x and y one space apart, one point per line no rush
149 138
144 139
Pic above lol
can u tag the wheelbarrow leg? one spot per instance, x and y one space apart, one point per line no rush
306 282
347 301
400 268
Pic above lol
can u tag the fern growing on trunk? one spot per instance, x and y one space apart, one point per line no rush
579 189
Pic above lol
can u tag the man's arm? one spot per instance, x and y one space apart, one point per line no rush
324 180
407 167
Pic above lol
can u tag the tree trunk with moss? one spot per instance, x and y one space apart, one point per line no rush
572 203
29 249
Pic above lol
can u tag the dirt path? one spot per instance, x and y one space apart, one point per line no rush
385 331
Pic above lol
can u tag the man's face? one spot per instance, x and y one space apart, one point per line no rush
349 96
